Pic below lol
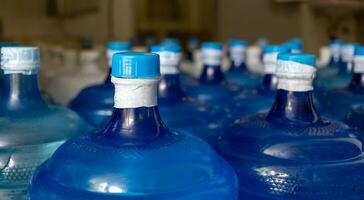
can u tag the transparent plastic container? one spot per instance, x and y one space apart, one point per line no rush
337 74
261 99
135 156
291 152
65 87
30 129
211 88
338 103
95 103
195 117
238 71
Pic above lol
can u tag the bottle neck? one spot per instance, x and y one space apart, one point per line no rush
336 62
211 74
238 66
357 83
169 88
21 93
293 108
237 58
142 123
135 114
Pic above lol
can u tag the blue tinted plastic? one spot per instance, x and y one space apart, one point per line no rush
334 75
238 72
260 100
118 45
132 65
338 103
211 88
296 45
307 59
291 153
212 45
95 103
355 120
186 114
170 41
193 43
30 131
134 157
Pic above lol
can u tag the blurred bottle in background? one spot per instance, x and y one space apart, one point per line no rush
339 102
94 103
30 129
238 71
64 88
177 110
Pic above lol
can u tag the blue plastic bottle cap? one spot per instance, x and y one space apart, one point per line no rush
336 42
307 59
212 45
135 65
170 41
8 44
276 49
168 48
118 46
295 44
359 50
237 43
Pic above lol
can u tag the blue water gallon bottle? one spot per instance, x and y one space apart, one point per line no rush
262 98
95 103
291 152
211 87
339 71
238 71
338 102
178 110
135 156
30 129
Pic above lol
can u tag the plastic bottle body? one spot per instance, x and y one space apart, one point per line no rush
286 160
136 169
30 132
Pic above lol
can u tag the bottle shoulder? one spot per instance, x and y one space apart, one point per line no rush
257 138
94 96
41 126
355 119
174 160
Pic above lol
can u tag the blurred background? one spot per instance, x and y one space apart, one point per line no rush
68 22
73 34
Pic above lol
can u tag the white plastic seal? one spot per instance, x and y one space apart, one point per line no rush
237 54
20 60
211 57
169 62
347 53
135 93
335 51
270 62
358 64
293 76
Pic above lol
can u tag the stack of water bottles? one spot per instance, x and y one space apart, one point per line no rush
152 131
